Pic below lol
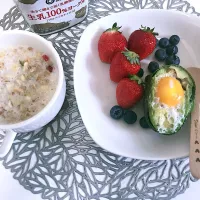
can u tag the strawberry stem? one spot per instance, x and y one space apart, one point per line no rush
149 30
114 28
136 78
131 56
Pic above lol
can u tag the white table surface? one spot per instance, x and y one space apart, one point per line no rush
10 189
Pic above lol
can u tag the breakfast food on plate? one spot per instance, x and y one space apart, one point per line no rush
140 73
116 112
130 117
169 98
163 42
110 42
174 39
129 91
153 66
160 55
173 59
171 50
169 90
123 64
142 42
143 122
28 80
168 50
157 41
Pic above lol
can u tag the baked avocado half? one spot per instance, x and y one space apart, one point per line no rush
169 98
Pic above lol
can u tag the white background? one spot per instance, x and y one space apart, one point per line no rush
10 189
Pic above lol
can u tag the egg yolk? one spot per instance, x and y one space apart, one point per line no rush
169 91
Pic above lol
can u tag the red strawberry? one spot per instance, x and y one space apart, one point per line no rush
110 42
129 91
123 64
142 41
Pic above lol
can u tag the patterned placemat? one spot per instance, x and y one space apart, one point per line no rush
62 162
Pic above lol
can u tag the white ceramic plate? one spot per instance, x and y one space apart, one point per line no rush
95 92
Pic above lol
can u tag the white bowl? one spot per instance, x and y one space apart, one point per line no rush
18 37
95 92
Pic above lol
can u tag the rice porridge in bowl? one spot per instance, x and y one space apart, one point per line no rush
28 81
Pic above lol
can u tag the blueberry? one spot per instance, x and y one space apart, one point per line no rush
176 60
130 117
174 39
163 42
153 66
157 42
140 73
160 54
170 60
172 50
116 112
143 123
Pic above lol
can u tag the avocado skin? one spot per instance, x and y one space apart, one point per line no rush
147 92
145 101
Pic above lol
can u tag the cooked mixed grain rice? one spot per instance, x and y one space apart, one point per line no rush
26 83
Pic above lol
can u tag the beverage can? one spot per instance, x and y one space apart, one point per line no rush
50 16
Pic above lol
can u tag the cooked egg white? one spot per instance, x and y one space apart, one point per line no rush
168 100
